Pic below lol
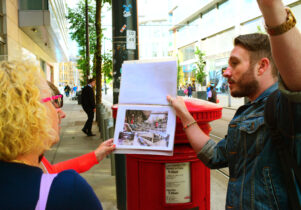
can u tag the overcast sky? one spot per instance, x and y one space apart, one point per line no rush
73 47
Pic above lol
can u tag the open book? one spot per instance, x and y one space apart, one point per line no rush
145 122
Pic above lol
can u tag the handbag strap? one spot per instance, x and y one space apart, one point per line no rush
46 181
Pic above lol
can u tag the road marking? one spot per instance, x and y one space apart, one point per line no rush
216 136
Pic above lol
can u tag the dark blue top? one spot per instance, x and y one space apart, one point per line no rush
20 185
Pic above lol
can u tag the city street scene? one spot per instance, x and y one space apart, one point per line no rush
79 48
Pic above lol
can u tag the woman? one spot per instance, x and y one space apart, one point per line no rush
81 163
28 127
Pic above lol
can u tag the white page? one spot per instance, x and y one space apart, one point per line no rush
148 82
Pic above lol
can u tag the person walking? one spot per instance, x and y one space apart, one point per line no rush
212 97
189 90
257 179
67 90
88 104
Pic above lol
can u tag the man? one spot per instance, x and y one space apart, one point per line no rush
67 90
256 178
213 95
88 103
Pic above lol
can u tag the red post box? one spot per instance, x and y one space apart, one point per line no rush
175 182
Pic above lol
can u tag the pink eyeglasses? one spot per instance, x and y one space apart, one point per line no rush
57 100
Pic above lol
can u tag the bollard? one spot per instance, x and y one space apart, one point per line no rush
104 116
99 107
109 133
108 123
101 115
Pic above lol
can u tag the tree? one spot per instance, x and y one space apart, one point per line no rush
199 71
97 56
179 73
87 39
107 69
76 18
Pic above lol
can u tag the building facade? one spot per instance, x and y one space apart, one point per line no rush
211 25
153 28
35 29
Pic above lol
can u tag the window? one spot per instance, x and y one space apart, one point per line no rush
188 52
33 4
2 38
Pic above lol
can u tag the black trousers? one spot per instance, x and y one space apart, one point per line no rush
88 124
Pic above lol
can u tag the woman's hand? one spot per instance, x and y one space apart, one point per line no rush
104 149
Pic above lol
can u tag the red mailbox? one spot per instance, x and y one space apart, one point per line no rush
175 182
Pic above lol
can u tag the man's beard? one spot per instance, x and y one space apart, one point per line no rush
247 85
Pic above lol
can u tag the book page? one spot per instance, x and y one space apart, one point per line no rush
145 129
148 82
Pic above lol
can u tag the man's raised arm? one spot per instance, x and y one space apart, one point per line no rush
286 47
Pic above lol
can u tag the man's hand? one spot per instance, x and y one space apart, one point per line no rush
197 138
94 110
179 106
104 149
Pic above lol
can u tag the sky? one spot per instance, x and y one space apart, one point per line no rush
73 47
71 3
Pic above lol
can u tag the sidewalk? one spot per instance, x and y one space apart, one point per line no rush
74 143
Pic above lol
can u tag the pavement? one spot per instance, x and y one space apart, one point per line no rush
73 143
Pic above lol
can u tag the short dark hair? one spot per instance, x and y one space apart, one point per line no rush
91 80
259 47
53 88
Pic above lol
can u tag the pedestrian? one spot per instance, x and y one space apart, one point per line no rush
212 95
74 90
189 90
88 104
79 164
67 90
257 180
29 124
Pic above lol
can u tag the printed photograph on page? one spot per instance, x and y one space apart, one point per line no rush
144 127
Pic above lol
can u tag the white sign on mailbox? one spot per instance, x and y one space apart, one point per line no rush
177 182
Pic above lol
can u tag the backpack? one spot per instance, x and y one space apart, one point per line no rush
291 171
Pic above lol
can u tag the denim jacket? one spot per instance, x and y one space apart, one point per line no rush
255 178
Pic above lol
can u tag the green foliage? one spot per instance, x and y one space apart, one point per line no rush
76 18
259 30
179 73
200 69
107 66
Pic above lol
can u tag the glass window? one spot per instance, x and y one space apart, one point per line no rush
2 38
33 4
188 52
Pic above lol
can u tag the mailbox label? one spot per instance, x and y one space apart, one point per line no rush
177 182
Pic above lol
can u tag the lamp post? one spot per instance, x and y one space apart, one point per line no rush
125 47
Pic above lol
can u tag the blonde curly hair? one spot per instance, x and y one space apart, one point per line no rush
24 122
